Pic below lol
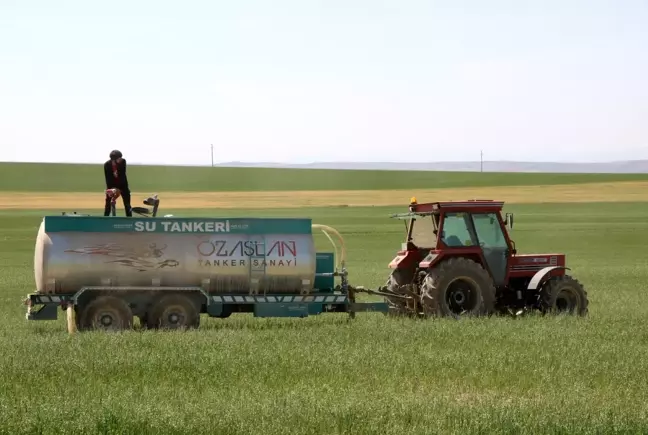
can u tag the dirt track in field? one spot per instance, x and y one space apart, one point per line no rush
615 191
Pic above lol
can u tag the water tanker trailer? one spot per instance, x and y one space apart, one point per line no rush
167 271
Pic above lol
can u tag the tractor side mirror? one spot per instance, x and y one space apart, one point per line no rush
509 220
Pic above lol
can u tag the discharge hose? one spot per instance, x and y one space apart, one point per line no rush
326 229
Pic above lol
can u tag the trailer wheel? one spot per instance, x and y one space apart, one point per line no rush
174 312
107 313
563 294
458 287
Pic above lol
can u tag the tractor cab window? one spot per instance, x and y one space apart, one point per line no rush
455 231
422 233
489 230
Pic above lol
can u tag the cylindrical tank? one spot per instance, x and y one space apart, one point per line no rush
220 255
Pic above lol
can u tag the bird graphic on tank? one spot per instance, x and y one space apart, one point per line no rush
146 258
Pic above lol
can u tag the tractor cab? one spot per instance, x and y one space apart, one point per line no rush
474 228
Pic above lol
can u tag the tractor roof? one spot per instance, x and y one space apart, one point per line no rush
473 205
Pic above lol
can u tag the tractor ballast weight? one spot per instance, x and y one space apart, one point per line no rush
458 259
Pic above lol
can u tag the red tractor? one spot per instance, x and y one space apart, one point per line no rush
458 260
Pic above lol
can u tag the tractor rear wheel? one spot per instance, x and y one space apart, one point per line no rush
563 294
458 287
397 306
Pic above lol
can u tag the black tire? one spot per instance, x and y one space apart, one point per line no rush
173 312
396 306
108 313
563 294
458 287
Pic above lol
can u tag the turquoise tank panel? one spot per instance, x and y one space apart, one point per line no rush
100 224
324 263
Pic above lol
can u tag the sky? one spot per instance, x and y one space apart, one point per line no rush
302 81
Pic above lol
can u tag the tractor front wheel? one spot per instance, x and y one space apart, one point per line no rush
458 287
563 294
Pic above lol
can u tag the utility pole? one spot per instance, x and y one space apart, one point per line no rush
212 154
481 161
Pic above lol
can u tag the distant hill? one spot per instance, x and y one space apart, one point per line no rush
618 167
500 166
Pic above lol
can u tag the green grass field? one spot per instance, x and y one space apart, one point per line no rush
30 177
372 375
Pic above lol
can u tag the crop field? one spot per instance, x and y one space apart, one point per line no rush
327 374
62 178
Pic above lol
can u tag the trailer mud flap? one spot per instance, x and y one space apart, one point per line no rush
215 309
47 312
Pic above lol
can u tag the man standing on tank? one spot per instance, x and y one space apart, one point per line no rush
115 173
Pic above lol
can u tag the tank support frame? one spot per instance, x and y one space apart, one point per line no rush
341 300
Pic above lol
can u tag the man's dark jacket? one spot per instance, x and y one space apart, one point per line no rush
115 172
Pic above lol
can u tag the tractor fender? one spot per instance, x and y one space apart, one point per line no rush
540 276
403 260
